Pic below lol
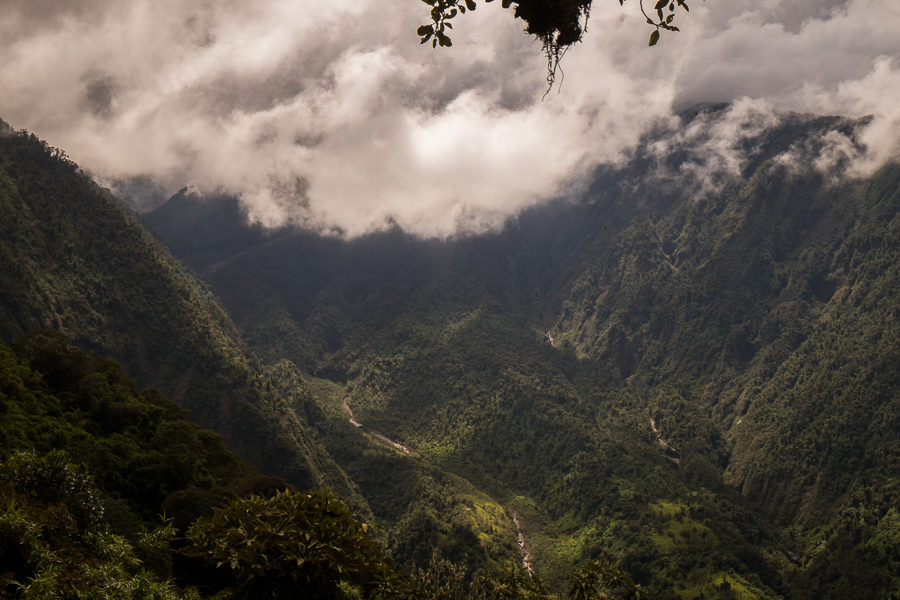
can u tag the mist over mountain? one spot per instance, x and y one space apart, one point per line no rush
455 335
77 261
334 116
690 368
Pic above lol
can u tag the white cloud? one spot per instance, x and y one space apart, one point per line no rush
876 94
712 146
333 116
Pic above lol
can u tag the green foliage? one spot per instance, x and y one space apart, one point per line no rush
755 325
54 543
64 530
52 479
419 507
290 543
139 446
597 580
513 583
74 259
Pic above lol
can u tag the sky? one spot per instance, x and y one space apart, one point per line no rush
332 116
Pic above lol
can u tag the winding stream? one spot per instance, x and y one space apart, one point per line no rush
520 534
671 453
374 433
523 544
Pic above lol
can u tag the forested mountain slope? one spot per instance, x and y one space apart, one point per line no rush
701 384
698 384
108 491
88 466
74 259
770 307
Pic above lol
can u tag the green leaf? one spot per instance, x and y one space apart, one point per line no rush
424 30
660 4
470 4
654 37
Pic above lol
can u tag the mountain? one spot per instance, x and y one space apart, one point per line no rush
108 491
693 377
76 260
701 384
88 464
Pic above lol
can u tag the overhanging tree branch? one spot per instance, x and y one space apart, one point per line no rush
558 24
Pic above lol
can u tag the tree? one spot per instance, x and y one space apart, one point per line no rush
55 543
556 23
596 580
514 583
292 544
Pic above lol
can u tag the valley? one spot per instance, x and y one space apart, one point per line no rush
701 390
375 434
666 310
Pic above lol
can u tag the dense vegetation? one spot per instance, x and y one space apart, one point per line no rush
107 491
89 465
74 259
702 387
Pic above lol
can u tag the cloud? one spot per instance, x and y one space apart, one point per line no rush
699 155
831 58
876 94
332 116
